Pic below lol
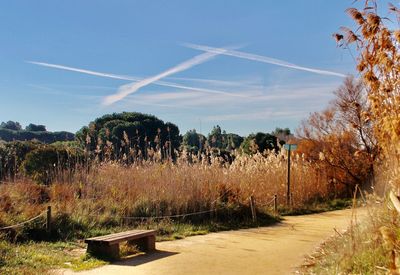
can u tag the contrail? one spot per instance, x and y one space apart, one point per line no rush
133 78
62 67
128 89
260 58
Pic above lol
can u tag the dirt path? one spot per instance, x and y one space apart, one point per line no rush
267 250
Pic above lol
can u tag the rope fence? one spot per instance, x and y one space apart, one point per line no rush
272 202
23 223
169 216
47 213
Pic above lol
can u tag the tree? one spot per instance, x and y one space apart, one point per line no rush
11 125
129 135
46 162
282 134
378 62
232 141
193 141
340 139
222 140
35 128
259 142
215 138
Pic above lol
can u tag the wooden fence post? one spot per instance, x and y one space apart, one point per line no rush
276 204
48 221
253 208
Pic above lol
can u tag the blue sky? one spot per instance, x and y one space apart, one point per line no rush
141 39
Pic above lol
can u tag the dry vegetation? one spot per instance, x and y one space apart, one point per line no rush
111 191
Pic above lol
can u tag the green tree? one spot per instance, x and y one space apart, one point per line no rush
35 128
215 138
193 141
11 125
232 141
130 132
259 143
221 140
282 134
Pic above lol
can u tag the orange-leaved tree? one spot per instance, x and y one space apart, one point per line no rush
340 140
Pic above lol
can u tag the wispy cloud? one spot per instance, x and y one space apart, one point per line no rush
128 89
260 58
243 83
138 79
286 96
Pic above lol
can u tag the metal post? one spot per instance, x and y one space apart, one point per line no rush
276 204
288 179
48 221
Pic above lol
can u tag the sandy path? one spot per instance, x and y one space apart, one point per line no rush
267 250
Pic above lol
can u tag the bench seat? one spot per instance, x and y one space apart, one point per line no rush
107 246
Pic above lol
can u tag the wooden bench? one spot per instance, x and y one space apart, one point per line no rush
108 246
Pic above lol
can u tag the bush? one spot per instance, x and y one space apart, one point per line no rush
46 162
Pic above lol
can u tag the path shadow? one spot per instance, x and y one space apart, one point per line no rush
145 258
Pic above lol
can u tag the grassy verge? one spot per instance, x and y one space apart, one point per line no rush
39 257
365 248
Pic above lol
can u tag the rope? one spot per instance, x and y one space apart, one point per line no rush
169 216
23 223
267 203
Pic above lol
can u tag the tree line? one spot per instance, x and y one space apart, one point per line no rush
12 130
126 137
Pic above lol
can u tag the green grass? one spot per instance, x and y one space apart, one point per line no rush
39 257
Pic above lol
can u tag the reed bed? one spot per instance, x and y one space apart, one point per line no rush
110 193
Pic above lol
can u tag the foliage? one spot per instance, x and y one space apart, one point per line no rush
129 135
282 134
45 137
339 140
46 162
35 128
221 140
11 125
193 142
12 154
378 62
259 143
215 138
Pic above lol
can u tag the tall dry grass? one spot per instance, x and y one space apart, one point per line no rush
110 191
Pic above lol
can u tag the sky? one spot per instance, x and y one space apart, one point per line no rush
247 66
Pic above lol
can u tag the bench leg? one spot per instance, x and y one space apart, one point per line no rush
104 250
145 244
